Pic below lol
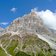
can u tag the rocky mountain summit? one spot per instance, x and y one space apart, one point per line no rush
30 35
32 23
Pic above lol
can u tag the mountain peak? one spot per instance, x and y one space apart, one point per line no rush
34 12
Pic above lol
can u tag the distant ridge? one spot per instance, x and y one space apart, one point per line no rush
1 29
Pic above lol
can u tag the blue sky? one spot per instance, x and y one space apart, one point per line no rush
11 9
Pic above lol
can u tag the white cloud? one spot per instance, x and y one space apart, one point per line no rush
33 10
13 9
48 17
4 23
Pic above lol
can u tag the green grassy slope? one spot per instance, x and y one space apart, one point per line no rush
29 45
2 52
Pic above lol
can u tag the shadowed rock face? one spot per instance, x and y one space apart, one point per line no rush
28 34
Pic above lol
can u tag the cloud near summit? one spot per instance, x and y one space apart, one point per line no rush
48 17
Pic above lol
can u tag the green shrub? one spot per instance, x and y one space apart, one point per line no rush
20 53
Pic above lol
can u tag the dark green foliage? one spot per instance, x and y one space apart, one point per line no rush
2 52
12 46
41 54
20 53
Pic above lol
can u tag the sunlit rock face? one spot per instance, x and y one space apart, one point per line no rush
30 22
